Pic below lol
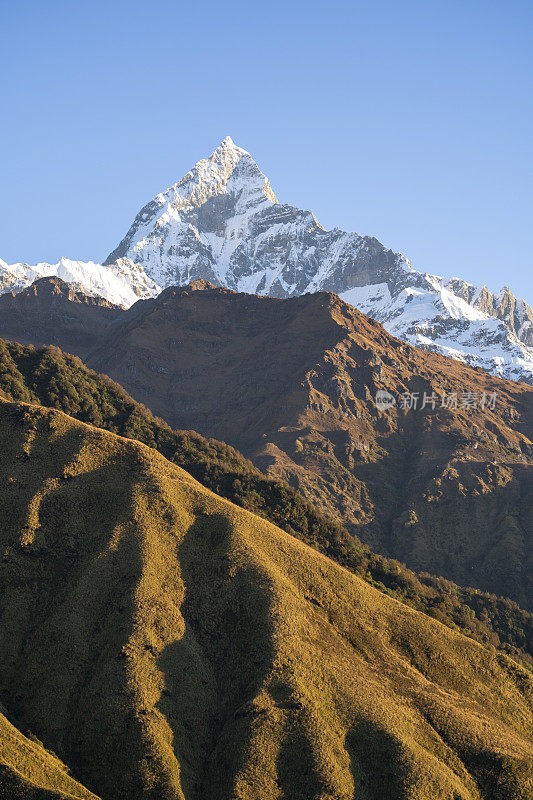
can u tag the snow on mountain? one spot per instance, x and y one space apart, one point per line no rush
222 222
122 283
199 222
436 319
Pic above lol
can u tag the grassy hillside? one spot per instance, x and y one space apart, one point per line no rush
166 644
29 772
292 384
51 378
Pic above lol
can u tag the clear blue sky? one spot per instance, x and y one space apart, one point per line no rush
410 121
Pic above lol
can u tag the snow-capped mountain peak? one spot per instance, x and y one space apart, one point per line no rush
222 223
228 170
227 184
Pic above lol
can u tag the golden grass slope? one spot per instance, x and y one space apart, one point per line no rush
168 645
29 772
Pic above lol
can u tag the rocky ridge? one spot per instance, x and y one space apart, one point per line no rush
293 384
222 222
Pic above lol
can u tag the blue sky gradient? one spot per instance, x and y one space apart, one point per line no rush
410 121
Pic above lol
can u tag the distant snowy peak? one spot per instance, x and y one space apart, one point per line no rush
429 315
229 175
222 223
513 311
122 283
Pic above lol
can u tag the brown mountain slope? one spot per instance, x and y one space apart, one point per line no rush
168 645
51 311
51 378
292 384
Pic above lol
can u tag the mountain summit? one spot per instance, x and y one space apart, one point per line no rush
223 223
218 196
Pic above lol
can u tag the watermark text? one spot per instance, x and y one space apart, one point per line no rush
454 401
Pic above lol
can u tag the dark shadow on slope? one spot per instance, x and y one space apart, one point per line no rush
67 612
14 786
498 776
298 774
214 672
376 762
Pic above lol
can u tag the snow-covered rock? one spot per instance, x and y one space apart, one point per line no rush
222 222
434 318
122 283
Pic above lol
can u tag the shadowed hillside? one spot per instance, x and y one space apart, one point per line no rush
292 384
51 312
29 772
166 644
51 378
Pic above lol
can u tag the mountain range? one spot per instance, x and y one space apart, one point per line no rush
49 378
294 385
159 643
254 543
222 222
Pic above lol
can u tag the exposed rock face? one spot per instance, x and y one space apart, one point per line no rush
222 222
292 383
51 311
